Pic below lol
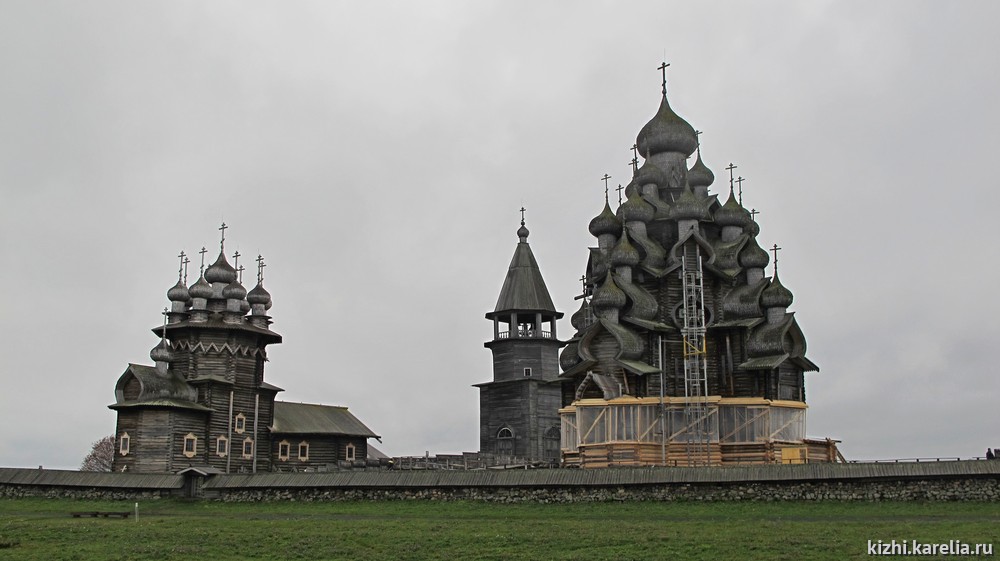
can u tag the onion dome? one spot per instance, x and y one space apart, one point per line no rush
608 295
234 291
161 352
667 132
220 271
699 175
624 253
259 296
732 214
636 210
753 257
200 289
752 227
178 293
244 306
650 173
776 295
688 207
523 232
605 222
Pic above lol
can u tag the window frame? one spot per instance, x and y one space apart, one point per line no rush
284 450
222 446
192 450
240 423
248 441
124 441
305 457
350 452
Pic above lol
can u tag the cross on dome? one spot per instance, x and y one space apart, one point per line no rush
775 249
663 67
222 243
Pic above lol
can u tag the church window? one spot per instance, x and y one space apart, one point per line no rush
221 446
550 443
284 448
248 447
505 442
240 423
349 452
123 444
527 372
303 451
190 445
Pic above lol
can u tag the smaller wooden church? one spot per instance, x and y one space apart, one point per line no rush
205 403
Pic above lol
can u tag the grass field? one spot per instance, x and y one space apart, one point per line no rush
42 529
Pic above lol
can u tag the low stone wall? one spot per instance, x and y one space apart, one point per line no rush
944 481
936 490
88 493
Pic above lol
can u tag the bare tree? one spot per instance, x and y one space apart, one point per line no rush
102 453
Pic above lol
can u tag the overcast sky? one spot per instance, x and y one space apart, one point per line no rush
377 153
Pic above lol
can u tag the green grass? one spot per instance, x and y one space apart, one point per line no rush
401 530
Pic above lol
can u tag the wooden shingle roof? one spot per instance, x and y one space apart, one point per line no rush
524 289
311 418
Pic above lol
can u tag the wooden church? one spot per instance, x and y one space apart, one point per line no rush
205 403
683 352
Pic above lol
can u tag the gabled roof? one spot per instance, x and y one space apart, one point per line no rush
311 418
524 289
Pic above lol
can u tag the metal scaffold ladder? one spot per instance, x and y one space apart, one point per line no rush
696 435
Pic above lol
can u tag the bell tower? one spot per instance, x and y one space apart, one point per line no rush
519 408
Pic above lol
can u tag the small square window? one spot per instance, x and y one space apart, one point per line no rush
303 451
527 372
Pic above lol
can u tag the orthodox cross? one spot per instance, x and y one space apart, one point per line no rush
522 215
203 252
663 67
635 151
731 168
697 136
583 294
236 262
163 334
222 244
739 184
180 269
775 249
753 214
240 270
260 269
606 178
186 261
619 189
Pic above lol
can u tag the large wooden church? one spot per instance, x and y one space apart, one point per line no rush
683 352
205 403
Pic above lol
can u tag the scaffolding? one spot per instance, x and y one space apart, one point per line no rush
696 431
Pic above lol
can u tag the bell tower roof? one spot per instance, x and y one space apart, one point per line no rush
524 289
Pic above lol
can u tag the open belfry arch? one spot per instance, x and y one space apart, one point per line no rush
684 352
